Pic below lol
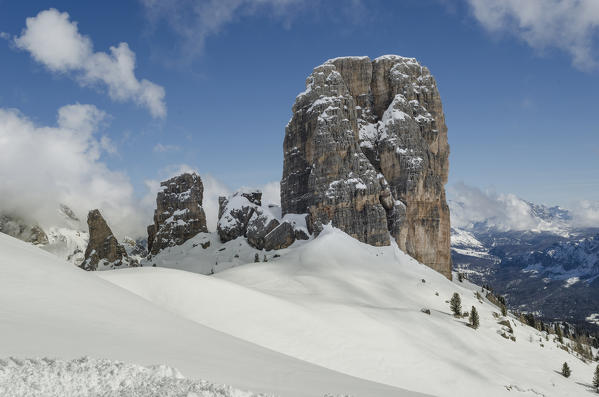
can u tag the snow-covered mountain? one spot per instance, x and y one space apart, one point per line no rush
52 309
66 238
329 302
536 255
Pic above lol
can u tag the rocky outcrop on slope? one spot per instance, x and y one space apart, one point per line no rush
235 212
66 237
103 249
366 149
18 228
243 215
179 214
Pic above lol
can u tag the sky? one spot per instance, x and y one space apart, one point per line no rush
100 101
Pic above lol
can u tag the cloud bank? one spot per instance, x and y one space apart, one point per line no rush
44 166
54 41
568 25
470 205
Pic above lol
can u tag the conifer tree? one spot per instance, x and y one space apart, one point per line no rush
474 319
456 304
596 379
558 331
503 310
566 370
256 258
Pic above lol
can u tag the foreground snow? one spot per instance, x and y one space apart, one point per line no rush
49 308
356 309
89 377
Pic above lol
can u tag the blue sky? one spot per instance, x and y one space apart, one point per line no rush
520 99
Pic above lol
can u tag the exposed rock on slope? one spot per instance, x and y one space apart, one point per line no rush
242 215
234 213
367 149
179 214
18 228
103 250
66 238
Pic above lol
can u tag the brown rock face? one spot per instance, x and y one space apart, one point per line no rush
103 250
179 214
390 109
325 173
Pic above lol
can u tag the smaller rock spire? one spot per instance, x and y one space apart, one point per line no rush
103 249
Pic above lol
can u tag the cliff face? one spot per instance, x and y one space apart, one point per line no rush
367 149
325 173
179 214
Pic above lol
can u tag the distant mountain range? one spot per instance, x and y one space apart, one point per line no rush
541 261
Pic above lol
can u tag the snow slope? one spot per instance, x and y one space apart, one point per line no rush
49 308
91 377
356 309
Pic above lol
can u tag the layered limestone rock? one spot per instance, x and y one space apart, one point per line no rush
373 135
103 249
325 173
179 214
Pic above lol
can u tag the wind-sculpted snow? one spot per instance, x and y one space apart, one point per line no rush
92 377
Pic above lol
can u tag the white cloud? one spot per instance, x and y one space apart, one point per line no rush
53 40
43 166
271 193
160 148
569 25
470 205
586 213
213 188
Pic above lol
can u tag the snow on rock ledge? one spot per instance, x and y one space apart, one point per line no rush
179 214
243 215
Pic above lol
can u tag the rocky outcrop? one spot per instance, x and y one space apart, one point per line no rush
235 212
179 214
103 249
366 149
243 215
18 228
